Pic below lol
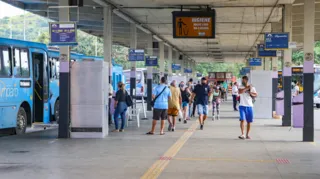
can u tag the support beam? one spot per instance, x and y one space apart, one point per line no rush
64 80
169 61
161 59
308 71
274 81
133 45
287 79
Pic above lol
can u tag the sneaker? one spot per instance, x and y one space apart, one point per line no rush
201 127
248 137
185 122
173 129
169 127
121 130
179 119
213 117
241 137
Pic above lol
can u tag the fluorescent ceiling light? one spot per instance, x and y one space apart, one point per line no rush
157 38
143 29
121 15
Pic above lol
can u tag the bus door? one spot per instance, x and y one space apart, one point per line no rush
40 86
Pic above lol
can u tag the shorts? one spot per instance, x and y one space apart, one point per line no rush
173 112
160 114
202 109
246 113
185 104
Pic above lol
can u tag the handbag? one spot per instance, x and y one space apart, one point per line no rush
129 101
153 101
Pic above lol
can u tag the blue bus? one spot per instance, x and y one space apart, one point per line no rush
29 84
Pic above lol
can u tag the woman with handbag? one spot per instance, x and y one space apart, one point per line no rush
120 106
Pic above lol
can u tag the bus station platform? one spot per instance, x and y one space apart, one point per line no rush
216 152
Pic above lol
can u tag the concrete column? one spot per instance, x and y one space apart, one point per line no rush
287 79
133 45
161 59
64 81
107 36
308 70
170 61
274 81
149 73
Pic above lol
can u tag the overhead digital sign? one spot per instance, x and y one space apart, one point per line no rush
63 33
194 24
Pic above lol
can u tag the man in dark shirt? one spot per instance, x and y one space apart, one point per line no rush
202 91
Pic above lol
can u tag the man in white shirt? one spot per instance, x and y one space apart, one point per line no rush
247 95
296 89
235 94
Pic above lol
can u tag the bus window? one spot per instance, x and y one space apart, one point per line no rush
25 70
57 69
17 66
5 62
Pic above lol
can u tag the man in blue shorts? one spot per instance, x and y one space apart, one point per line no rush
202 92
247 94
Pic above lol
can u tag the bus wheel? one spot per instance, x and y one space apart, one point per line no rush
56 111
318 106
21 121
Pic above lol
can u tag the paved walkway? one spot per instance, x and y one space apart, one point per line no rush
274 152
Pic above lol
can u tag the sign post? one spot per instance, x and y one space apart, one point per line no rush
194 24
136 55
255 61
276 41
151 61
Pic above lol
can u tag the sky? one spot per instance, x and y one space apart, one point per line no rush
8 10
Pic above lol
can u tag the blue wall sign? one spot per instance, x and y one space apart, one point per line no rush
255 61
266 53
276 40
151 61
187 70
63 33
199 75
176 66
136 55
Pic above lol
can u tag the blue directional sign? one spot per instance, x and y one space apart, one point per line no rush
255 61
265 53
187 70
63 33
151 61
276 40
136 55
199 75
245 71
176 66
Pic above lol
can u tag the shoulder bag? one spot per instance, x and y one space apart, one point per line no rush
153 101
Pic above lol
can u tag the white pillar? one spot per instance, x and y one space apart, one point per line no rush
64 80
308 70
267 64
170 61
149 72
107 37
161 59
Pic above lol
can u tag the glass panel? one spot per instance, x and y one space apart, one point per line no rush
17 66
5 63
25 70
57 69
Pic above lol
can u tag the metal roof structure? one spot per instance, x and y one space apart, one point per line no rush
240 23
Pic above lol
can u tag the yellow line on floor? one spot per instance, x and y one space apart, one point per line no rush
156 169
225 160
314 143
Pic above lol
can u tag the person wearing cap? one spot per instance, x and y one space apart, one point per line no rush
202 92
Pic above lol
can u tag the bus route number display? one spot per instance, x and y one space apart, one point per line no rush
194 24
63 33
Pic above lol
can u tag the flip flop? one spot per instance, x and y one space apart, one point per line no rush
150 133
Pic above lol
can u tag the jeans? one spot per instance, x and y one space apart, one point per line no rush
194 109
121 110
109 110
234 102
